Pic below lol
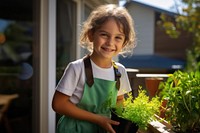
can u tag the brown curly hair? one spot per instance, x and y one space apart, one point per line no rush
99 16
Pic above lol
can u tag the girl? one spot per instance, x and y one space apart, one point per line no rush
89 83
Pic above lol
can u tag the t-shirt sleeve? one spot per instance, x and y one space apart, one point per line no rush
68 81
124 82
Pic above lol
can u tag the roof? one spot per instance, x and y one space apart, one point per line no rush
151 62
169 12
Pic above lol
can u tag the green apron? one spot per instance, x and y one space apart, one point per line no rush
98 96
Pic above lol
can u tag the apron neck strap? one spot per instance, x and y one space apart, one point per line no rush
88 71
117 75
89 74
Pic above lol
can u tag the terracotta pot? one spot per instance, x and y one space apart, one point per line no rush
152 85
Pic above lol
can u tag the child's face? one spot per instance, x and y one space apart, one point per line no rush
108 40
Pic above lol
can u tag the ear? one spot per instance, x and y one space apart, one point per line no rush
90 36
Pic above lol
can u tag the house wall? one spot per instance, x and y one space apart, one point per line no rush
171 47
144 26
151 37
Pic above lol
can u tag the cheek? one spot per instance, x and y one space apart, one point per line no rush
99 41
120 45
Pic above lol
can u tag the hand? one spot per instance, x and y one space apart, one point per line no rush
107 123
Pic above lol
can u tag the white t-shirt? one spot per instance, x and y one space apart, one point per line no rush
73 79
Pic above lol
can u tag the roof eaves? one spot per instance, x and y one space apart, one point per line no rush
150 6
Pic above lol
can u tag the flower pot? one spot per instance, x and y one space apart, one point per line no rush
152 85
125 125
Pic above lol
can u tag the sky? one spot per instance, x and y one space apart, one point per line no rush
163 4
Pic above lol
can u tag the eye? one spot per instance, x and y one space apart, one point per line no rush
118 38
104 35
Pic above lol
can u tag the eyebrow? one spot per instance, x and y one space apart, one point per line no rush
120 34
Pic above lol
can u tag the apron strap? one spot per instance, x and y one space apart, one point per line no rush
88 71
89 74
117 75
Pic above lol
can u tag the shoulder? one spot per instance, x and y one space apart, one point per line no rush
75 66
76 63
120 66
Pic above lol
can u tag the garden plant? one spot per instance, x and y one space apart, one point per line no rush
182 92
140 110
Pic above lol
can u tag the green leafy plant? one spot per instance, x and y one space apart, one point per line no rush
182 91
140 111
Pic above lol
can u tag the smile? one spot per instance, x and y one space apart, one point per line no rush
108 49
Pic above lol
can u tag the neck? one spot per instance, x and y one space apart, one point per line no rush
103 63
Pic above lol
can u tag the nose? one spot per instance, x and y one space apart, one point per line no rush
110 41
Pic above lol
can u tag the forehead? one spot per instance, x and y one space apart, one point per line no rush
112 25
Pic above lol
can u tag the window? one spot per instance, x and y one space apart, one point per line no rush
16 69
87 11
66 36
66 32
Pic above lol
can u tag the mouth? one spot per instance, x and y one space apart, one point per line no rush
108 49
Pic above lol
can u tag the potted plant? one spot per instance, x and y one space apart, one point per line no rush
135 113
182 92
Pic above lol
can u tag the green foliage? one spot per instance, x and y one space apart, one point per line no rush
189 21
10 70
182 90
17 39
169 26
141 110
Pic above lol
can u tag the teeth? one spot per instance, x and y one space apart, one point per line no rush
107 49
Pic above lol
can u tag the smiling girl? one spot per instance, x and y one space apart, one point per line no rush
88 82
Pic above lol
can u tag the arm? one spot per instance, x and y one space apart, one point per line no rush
120 99
62 105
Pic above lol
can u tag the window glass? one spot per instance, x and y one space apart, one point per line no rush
87 11
16 70
66 32
65 36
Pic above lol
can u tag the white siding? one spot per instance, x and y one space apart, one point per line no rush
144 26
